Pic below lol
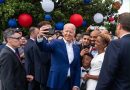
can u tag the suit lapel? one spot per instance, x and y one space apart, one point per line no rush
65 50
10 51
74 50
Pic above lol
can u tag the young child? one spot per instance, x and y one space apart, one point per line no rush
86 60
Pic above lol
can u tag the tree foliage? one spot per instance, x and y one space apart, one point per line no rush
62 11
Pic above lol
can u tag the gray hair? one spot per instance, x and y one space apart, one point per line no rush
9 32
73 26
32 29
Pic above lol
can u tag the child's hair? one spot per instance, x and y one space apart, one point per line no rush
88 54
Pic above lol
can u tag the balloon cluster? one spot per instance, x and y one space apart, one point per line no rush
24 20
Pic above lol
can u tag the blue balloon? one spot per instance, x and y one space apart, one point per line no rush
48 17
12 23
59 26
84 24
87 1
2 1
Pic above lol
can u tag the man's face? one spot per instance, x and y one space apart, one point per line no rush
23 40
68 33
14 40
78 37
94 36
86 40
36 32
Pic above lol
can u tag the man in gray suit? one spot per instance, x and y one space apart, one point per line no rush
12 73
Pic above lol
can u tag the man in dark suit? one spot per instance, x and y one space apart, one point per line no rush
65 59
34 63
115 73
45 60
30 60
12 73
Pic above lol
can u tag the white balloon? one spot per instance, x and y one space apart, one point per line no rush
98 17
47 5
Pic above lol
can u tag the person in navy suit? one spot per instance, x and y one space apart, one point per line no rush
115 73
65 59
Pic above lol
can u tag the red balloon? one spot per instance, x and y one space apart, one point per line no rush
25 20
111 19
76 19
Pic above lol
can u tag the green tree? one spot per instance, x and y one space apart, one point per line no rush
62 11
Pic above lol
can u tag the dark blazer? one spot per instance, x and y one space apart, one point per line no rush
37 63
115 71
12 73
60 63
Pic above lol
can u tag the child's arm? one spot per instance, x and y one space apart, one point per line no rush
88 76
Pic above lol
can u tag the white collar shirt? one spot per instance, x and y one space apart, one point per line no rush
70 53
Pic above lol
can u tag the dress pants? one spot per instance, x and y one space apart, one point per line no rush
67 85
34 85
44 87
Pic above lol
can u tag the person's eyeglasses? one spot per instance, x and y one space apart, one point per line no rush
18 38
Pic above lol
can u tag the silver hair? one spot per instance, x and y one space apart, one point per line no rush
9 32
73 26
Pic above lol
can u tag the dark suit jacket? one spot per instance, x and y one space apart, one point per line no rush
60 63
37 63
12 73
115 72
2 46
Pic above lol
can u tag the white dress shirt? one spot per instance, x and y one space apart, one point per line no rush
70 53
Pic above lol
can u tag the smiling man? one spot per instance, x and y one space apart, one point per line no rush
65 61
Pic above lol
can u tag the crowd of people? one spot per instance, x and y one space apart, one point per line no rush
66 60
